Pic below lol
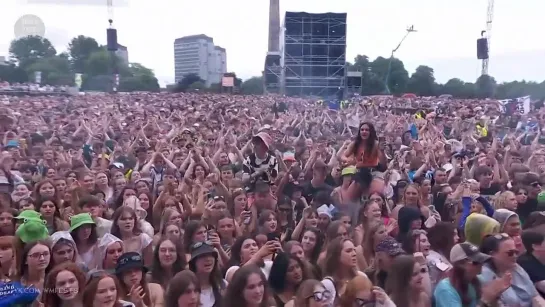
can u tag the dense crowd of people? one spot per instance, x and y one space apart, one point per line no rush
188 200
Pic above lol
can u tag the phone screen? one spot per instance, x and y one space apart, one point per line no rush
250 203
272 237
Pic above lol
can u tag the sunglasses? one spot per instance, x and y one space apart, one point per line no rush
535 184
284 209
320 296
137 258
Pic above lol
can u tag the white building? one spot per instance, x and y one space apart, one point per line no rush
197 54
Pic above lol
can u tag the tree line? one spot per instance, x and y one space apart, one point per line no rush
84 55
422 82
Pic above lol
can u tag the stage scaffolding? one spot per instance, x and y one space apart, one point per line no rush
272 75
314 54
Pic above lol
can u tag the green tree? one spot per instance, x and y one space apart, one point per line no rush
139 83
80 49
454 87
137 69
486 86
98 63
199 85
398 77
29 49
102 83
372 84
252 86
186 82
215 88
55 70
101 62
361 63
12 74
422 82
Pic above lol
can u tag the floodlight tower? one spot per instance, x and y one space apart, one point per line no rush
488 35
111 34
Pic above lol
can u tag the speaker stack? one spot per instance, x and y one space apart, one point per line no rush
482 48
112 39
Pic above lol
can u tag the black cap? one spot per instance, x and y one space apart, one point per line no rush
129 261
200 249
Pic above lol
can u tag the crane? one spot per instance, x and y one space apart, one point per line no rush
488 33
112 31
409 31
110 5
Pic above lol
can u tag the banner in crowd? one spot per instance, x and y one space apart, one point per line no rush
520 105
38 77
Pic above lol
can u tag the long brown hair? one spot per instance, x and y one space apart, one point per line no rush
233 297
7 242
458 282
13 213
399 277
158 274
124 292
369 243
333 254
92 285
441 237
20 259
178 285
50 298
117 215
58 223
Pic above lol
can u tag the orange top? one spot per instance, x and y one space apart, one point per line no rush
364 159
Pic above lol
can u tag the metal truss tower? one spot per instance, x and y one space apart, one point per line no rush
489 18
314 54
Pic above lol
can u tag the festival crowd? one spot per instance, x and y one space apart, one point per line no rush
189 200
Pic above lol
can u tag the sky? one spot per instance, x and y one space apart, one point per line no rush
446 37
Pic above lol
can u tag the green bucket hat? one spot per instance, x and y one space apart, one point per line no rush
29 214
33 227
79 220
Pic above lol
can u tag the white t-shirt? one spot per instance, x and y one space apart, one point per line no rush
207 295
328 285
